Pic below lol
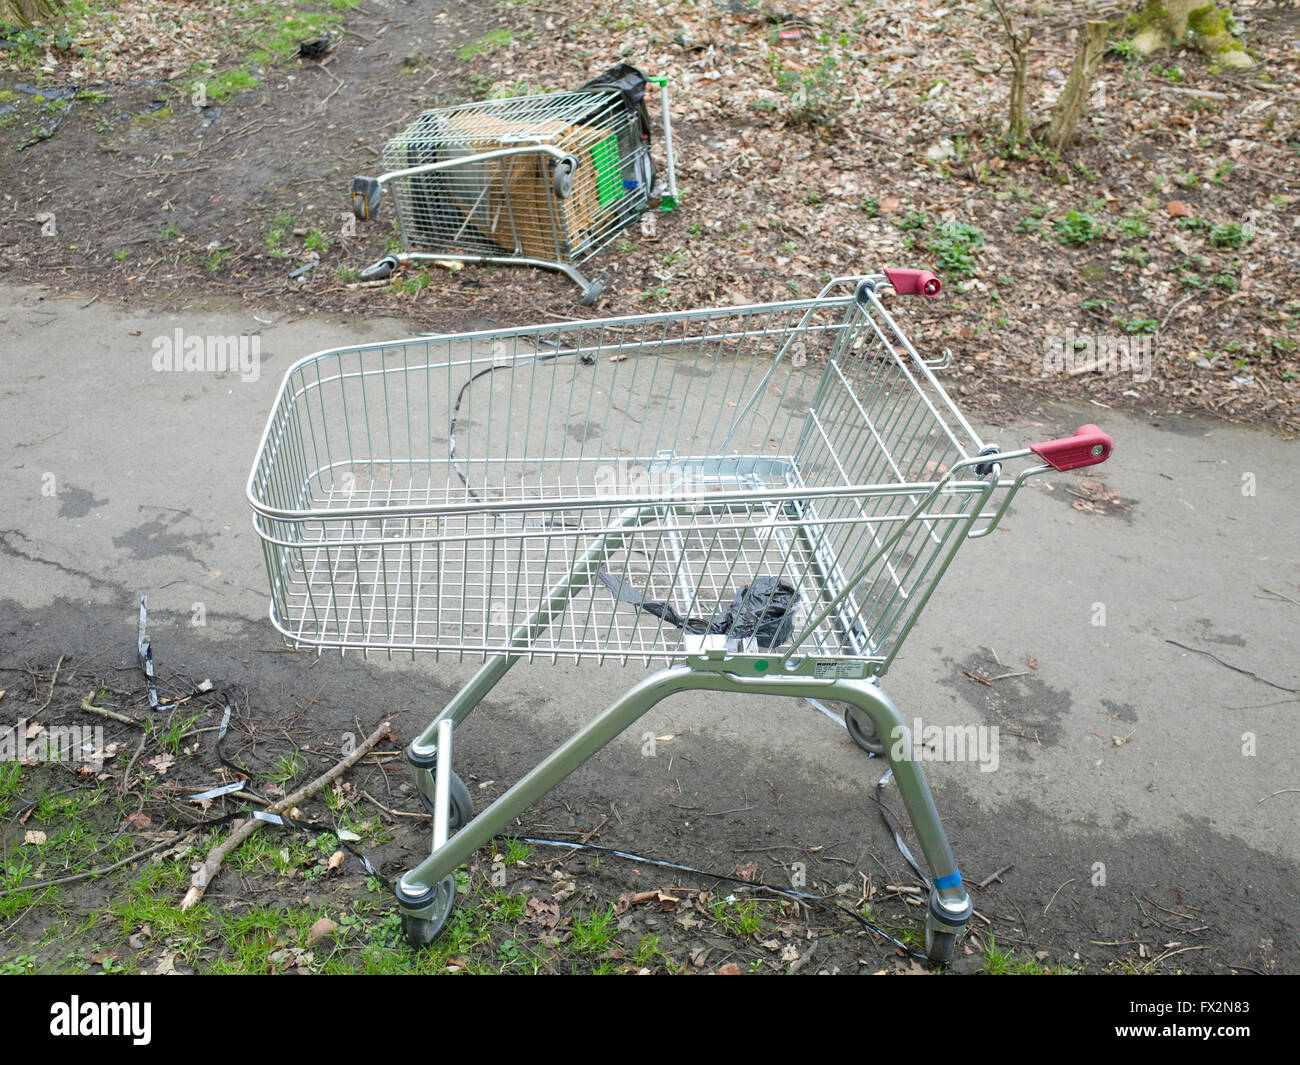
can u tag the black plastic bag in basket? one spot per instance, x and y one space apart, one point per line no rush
630 84
763 610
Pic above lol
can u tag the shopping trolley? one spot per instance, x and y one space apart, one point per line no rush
537 180
759 499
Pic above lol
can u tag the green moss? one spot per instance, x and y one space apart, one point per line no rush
1208 21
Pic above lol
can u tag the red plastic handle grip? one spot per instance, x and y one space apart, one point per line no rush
914 282
1089 446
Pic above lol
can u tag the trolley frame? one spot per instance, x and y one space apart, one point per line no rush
367 193
349 569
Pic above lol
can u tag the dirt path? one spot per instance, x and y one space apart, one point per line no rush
826 144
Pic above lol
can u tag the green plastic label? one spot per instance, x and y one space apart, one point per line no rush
609 174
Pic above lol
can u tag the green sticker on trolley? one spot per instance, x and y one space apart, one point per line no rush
609 173
760 666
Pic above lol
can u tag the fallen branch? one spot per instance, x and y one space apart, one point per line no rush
243 829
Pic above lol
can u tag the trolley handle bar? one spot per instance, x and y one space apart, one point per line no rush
914 282
1089 446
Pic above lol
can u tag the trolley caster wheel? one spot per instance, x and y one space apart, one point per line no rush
421 931
940 946
863 732
461 810
380 270
562 182
592 293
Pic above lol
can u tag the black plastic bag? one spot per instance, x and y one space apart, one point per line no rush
763 610
630 84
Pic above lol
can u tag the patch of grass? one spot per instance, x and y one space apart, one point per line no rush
281 226
1233 235
315 241
1137 326
1076 228
1133 225
913 219
152 899
221 87
649 954
485 45
170 736
998 962
11 782
954 245
739 916
594 933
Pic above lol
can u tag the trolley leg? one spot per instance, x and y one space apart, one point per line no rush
950 905
422 752
418 889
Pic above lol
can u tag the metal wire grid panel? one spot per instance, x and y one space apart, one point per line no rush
508 205
519 491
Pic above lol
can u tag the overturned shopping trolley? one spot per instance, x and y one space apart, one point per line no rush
758 499
535 181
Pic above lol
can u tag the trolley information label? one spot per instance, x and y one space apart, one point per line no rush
836 670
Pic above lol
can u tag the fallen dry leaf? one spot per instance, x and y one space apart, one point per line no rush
34 836
544 914
730 969
336 859
321 928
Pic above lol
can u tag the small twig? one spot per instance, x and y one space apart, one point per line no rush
1278 594
90 707
1256 706
1236 669
995 876
394 813
1284 791
53 680
126 776
1171 953
1175 307
1057 892
1172 913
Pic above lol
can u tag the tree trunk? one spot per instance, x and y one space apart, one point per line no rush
1201 24
1074 97
1017 45
25 12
